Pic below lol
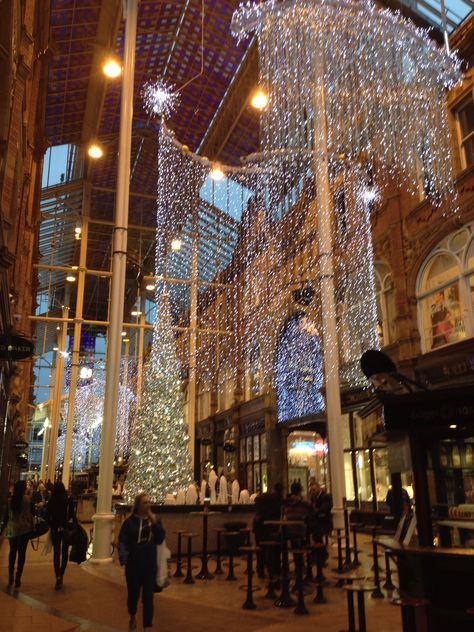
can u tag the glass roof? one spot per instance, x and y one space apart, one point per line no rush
456 11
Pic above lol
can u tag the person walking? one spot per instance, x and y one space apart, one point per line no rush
60 514
320 516
18 521
139 535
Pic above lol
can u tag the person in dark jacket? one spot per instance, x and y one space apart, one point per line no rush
60 515
18 521
139 535
320 519
267 507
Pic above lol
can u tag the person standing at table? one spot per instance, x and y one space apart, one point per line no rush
139 535
320 519
18 521
60 515
267 507
297 508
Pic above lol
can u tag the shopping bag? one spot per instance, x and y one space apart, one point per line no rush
163 554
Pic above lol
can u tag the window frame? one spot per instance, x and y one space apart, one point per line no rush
468 97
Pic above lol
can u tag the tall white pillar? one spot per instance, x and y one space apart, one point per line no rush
103 518
76 345
328 305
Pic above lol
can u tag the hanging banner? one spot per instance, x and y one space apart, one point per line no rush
15 348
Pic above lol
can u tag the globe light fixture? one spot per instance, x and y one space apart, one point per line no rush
95 151
112 68
70 278
259 99
150 287
217 174
176 244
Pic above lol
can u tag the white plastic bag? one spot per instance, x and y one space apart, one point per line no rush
163 554
48 545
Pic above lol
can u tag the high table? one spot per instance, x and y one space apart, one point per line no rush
204 573
285 600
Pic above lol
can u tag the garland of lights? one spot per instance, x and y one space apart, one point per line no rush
384 84
160 459
88 415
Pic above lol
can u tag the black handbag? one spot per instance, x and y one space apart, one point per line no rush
40 528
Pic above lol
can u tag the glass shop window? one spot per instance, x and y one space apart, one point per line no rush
445 291
253 373
204 400
253 463
465 124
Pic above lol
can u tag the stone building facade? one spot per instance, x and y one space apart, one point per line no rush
24 50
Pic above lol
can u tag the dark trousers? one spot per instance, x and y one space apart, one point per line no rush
18 546
60 552
140 579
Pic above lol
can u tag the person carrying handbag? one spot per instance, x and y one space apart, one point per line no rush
61 516
140 534
18 521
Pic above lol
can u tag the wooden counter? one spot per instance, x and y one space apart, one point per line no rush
444 576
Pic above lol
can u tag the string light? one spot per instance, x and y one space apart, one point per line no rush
112 68
160 459
259 99
160 98
383 82
88 412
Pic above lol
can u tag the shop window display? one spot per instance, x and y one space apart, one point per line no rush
445 291
253 465
307 459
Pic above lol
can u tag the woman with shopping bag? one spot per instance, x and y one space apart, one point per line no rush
18 521
61 516
139 536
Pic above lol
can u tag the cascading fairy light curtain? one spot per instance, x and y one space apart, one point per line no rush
259 243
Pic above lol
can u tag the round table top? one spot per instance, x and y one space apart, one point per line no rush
204 513
284 523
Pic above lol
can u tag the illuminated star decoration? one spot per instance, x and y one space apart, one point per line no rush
160 98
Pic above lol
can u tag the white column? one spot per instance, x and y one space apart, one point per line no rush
193 337
58 390
103 518
328 305
76 348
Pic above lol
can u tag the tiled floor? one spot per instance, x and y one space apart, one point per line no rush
94 598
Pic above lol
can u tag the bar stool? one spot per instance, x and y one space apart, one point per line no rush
359 590
249 603
349 578
219 570
354 527
268 546
377 593
189 579
245 533
348 559
388 584
340 563
299 563
410 605
231 538
179 572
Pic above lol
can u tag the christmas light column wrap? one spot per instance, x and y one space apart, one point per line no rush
160 461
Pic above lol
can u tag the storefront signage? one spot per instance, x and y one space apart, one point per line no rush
15 348
436 408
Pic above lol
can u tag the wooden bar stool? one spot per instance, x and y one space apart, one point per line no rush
219 570
318 548
249 603
340 563
179 561
359 590
189 579
299 563
231 540
246 534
